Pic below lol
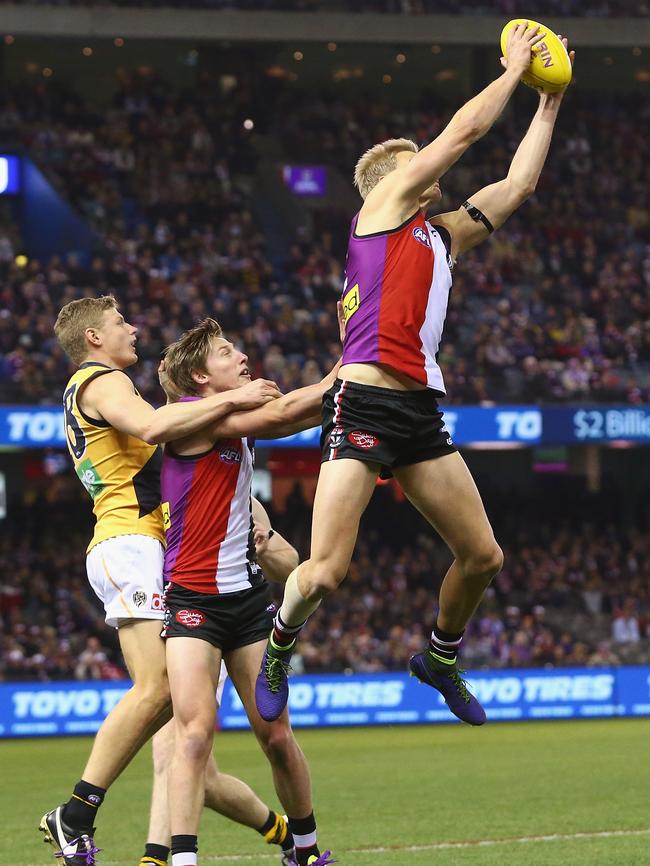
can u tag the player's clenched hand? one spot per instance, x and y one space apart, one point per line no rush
256 393
520 44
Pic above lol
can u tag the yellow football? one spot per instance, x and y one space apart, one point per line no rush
550 68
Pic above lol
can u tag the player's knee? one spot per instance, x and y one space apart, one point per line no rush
153 696
277 742
485 562
194 742
322 579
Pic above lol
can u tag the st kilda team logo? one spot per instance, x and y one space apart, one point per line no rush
362 439
336 436
190 618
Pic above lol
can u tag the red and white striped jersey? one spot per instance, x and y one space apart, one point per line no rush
395 298
208 518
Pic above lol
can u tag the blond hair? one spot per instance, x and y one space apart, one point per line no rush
189 354
378 161
75 318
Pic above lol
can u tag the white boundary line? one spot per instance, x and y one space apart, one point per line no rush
436 846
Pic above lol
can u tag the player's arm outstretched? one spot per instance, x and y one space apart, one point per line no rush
277 557
400 190
113 398
291 413
491 206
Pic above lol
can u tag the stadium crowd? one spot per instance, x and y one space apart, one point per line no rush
570 593
597 8
554 308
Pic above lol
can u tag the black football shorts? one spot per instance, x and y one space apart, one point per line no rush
382 425
228 621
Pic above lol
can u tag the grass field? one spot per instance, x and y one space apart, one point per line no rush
533 794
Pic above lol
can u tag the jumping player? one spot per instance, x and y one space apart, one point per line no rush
218 604
224 794
382 414
112 435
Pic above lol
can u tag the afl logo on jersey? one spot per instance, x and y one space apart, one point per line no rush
230 455
190 618
422 236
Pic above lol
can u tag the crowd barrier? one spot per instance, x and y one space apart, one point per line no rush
323 700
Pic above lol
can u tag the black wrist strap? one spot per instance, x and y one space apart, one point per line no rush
478 216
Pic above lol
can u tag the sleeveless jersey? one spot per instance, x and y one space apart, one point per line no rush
120 472
395 297
208 518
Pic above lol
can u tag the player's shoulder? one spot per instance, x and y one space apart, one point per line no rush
109 380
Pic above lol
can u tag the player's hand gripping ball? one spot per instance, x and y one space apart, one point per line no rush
550 66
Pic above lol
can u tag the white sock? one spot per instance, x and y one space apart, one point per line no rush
295 607
185 858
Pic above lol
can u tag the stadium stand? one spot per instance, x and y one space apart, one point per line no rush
598 8
554 309
571 593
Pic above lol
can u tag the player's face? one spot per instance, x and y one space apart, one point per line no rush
432 195
118 339
226 367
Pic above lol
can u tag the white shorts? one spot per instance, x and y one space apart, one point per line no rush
126 574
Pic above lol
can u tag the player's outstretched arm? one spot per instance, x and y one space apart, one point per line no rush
296 411
469 124
491 206
277 557
113 398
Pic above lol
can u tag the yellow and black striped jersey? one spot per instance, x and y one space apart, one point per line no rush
120 472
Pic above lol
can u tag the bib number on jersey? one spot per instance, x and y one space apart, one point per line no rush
73 431
351 302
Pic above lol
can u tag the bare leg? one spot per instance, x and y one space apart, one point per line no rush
193 666
288 763
162 745
444 492
232 798
224 794
343 492
144 708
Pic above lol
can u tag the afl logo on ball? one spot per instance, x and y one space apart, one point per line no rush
336 436
190 618
421 235
362 439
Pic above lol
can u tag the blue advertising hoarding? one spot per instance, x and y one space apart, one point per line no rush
324 700
42 426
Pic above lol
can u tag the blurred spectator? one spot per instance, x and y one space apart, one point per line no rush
91 661
625 628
